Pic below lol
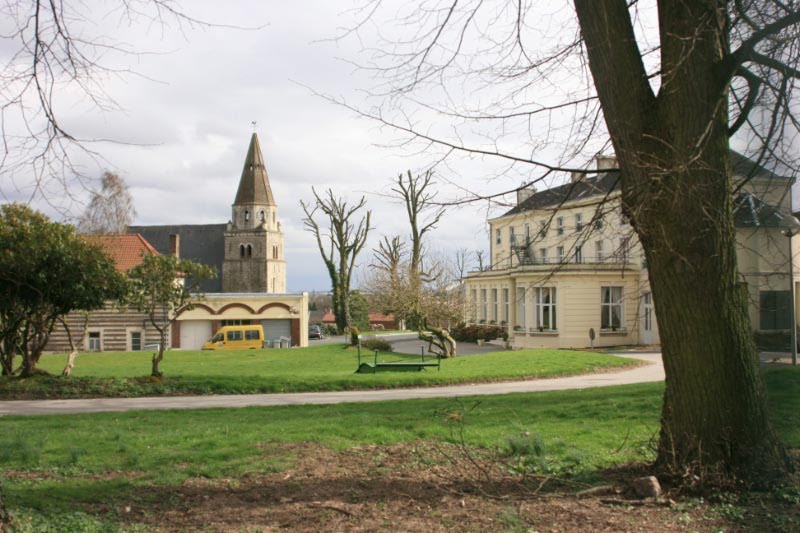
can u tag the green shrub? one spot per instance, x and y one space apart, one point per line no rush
474 333
377 344
330 330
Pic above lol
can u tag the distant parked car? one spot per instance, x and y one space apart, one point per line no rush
315 332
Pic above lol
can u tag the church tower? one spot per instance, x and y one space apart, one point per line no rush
253 238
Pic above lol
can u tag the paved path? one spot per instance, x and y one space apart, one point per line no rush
653 371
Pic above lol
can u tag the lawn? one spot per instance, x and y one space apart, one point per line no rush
52 467
319 368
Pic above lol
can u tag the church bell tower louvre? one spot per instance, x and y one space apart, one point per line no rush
254 260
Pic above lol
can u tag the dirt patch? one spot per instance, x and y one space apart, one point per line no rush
423 487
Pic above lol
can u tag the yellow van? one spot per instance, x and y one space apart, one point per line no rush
236 338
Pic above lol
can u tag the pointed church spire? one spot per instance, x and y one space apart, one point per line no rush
254 185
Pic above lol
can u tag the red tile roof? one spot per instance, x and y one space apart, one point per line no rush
126 250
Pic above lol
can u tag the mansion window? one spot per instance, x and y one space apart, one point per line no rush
494 305
774 309
542 229
546 308
598 222
625 249
505 305
473 305
578 222
560 253
521 308
610 308
578 253
498 237
543 255
483 305
560 225
598 250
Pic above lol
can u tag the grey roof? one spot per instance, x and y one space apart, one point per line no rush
750 212
202 243
606 182
254 184
587 187
747 168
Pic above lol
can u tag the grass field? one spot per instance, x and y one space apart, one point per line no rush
54 466
319 368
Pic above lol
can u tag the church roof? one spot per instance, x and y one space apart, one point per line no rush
254 184
202 243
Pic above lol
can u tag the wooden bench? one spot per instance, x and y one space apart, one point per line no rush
405 366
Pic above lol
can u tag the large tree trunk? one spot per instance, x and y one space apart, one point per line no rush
676 184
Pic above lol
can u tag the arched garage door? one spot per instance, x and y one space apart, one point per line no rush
275 329
194 333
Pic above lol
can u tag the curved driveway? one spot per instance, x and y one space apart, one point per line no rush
653 371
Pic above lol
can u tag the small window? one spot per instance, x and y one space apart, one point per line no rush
241 250
560 225
598 223
234 335
246 215
94 341
598 251
274 251
543 254
498 237
273 217
560 252
578 253
235 322
578 222
542 229
249 250
252 335
136 341
262 216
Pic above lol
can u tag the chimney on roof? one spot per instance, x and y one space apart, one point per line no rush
576 176
175 245
606 162
524 192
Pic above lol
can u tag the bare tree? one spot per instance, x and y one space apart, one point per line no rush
339 247
667 97
418 196
110 210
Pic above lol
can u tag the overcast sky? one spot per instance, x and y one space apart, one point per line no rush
188 111
187 114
